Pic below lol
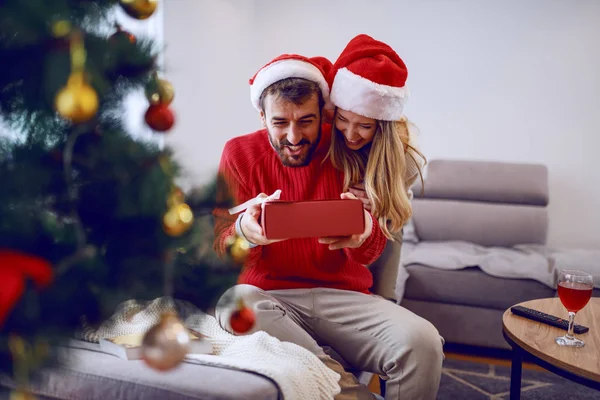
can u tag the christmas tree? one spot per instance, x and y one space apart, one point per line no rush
89 215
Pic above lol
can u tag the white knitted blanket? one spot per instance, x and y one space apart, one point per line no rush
298 373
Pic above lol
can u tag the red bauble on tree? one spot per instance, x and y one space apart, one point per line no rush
122 36
242 319
160 117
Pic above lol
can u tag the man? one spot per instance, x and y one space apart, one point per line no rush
313 291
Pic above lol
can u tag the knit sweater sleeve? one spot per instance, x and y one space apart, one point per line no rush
371 249
231 186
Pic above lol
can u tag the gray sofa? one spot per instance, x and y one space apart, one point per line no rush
490 204
93 375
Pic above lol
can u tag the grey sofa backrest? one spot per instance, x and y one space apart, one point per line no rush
487 203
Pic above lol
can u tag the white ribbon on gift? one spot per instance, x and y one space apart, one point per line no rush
254 201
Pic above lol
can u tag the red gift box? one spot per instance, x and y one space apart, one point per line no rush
318 218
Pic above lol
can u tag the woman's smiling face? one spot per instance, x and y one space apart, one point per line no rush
358 131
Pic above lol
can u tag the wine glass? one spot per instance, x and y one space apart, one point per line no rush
574 290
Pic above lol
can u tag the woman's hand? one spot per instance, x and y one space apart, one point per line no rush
353 241
359 191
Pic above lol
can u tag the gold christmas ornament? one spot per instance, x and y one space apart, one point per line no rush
21 395
61 28
238 248
139 9
178 219
77 101
166 344
24 359
160 91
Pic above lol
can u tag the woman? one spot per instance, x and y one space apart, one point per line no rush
372 142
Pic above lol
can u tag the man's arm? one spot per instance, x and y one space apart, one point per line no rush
230 186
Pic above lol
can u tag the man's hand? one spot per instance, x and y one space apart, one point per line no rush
251 228
359 191
354 241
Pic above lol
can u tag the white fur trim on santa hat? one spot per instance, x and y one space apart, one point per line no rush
283 69
364 97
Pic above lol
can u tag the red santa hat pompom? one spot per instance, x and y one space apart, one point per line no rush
369 79
315 69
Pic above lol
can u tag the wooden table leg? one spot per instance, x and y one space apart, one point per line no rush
515 374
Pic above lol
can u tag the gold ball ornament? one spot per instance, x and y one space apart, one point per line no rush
139 9
21 395
160 91
61 28
166 344
77 101
238 248
178 219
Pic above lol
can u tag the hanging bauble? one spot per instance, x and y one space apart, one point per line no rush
61 28
178 219
77 101
160 91
139 9
238 248
122 36
160 117
242 319
166 344
21 394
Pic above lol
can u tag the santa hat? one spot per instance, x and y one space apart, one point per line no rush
285 66
369 79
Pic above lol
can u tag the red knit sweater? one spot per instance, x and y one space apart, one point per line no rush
250 165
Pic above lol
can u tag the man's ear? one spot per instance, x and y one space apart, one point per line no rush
263 118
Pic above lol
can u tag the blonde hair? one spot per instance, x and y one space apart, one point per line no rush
382 166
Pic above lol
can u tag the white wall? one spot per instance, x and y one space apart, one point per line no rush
509 80
209 59
136 103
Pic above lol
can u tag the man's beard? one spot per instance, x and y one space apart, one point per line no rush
295 161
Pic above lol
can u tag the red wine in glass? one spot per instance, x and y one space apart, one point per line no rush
574 295
574 290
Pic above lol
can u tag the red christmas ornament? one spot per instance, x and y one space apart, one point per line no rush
122 35
242 319
160 117
15 269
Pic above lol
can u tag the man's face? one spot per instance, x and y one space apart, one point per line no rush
294 129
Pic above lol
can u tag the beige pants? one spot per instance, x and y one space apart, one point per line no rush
370 333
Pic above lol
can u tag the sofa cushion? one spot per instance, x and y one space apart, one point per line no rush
497 182
471 287
466 325
486 224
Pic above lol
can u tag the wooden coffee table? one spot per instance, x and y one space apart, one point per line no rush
534 342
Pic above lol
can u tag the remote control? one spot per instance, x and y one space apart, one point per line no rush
547 319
